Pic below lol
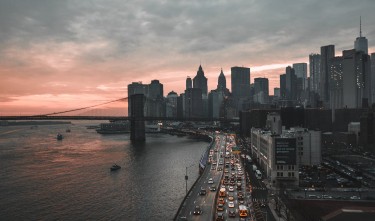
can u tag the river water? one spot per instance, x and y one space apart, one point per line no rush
42 178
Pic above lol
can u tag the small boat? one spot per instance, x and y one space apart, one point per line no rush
59 136
115 167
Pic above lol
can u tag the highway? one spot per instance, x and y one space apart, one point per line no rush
205 202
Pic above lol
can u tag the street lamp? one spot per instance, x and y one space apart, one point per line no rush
186 177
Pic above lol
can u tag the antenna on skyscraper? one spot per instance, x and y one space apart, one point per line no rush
360 26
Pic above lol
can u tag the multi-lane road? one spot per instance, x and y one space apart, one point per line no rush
229 174
205 201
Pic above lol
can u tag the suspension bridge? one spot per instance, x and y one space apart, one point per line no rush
137 117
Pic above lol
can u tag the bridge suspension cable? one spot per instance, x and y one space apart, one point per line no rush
83 108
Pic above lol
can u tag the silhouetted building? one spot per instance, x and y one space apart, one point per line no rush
261 94
360 43
189 83
343 116
240 78
193 103
171 104
300 70
276 92
291 83
200 81
215 102
314 60
336 82
180 106
356 79
367 137
283 86
327 53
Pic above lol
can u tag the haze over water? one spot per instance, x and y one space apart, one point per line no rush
45 179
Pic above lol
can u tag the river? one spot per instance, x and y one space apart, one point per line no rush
42 178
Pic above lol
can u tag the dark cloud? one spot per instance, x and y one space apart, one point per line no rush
99 42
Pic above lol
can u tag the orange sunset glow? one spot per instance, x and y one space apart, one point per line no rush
61 55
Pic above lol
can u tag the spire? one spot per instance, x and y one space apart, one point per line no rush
360 26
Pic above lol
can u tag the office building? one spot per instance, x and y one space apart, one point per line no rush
314 65
276 92
215 103
193 103
356 79
171 104
240 79
290 83
361 43
300 70
189 83
200 81
222 84
261 93
283 86
280 152
336 83
327 53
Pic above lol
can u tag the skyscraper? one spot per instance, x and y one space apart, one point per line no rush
283 86
356 79
261 90
290 83
200 81
360 43
189 83
336 83
222 82
193 103
327 52
240 79
314 60
155 90
300 70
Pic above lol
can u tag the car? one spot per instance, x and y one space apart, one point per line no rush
197 210
220 216
231 189
231 204
226 171
355 198
262 205
213 188
327 197
210 181
213 168
230 198
202 191
220 207
232 213
221 201
219 169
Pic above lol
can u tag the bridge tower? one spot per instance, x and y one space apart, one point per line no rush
137 121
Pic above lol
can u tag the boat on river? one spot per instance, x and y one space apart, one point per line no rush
115 167
59 136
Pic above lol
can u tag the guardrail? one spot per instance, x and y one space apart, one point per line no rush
193 186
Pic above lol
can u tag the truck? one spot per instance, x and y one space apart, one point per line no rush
254 167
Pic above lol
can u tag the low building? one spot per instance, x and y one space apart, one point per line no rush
280 152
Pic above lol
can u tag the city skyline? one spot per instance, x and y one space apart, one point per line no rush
64 54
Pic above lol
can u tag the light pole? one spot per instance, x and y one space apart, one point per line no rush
186 177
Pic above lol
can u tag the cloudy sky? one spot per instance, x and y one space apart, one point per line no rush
61 54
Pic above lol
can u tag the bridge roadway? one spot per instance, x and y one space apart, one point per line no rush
114 118
206 202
